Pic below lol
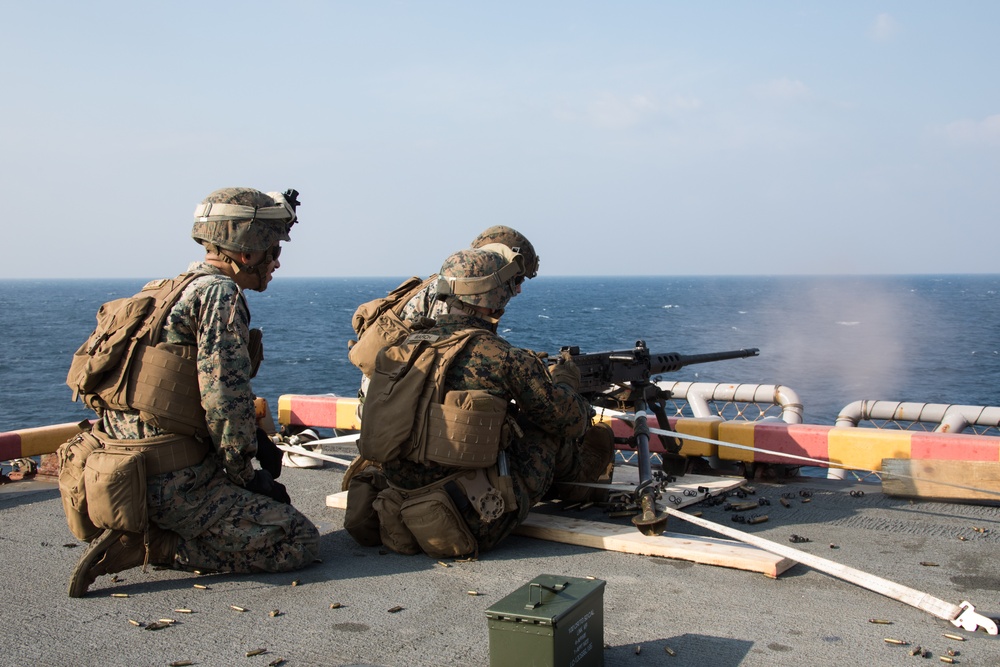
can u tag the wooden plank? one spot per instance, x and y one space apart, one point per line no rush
940 479
627 539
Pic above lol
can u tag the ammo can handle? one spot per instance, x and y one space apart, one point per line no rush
558 588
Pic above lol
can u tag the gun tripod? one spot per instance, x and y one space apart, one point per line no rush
641 396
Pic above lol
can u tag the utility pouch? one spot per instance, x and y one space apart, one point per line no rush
72 487
466 430
437 525
361 520
392 530
388 329
116 490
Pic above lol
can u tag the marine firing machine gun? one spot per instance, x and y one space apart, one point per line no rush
621 380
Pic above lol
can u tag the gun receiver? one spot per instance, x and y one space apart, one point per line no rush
603 371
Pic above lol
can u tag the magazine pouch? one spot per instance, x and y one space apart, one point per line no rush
116 490
437 525
72 488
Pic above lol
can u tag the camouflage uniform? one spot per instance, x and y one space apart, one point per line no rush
424 304
222 526
551 416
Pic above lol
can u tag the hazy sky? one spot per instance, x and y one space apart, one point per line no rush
621 137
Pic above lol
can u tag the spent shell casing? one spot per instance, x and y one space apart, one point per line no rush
256 651
135 623
395 609
443 564
236 608
899 642
927 563
184 610
784 502
336 605
274 612
916 650
807 500
157 626
945 658
669 650
276 663
181 663
168 621
758 519
119 595
473 592
952 652
638 649
880 621
202 587
296 582
958 638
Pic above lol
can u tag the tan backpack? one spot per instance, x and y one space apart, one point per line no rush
99 371
378 323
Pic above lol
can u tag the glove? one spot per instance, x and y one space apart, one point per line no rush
268 454
565 371
265 485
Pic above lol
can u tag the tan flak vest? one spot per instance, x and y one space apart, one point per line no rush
122 366
410 415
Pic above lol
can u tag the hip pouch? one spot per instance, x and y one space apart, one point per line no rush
392 530
116 490
437 525
73 456
361 520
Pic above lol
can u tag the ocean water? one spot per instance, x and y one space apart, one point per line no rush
833 340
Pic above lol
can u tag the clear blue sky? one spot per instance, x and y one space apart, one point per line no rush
626 137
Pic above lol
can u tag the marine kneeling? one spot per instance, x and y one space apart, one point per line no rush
166 475
462 432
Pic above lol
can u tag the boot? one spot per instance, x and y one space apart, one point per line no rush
115 550
596 456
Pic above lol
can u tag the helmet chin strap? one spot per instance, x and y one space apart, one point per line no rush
259 270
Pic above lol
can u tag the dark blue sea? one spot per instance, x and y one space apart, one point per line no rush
833 340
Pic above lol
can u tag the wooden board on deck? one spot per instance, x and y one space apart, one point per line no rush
921 478
627 539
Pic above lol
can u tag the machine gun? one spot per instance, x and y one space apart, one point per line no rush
603 373
621 380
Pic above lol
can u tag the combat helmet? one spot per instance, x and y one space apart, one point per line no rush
244 219
479 277
514 240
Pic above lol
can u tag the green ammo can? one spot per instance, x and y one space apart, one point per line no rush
552 621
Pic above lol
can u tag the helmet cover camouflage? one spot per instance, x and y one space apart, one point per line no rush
514 240
244 219
479 277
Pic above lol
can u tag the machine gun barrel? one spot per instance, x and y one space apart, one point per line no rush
672 361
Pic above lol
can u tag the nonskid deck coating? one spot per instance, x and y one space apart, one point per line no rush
707 615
